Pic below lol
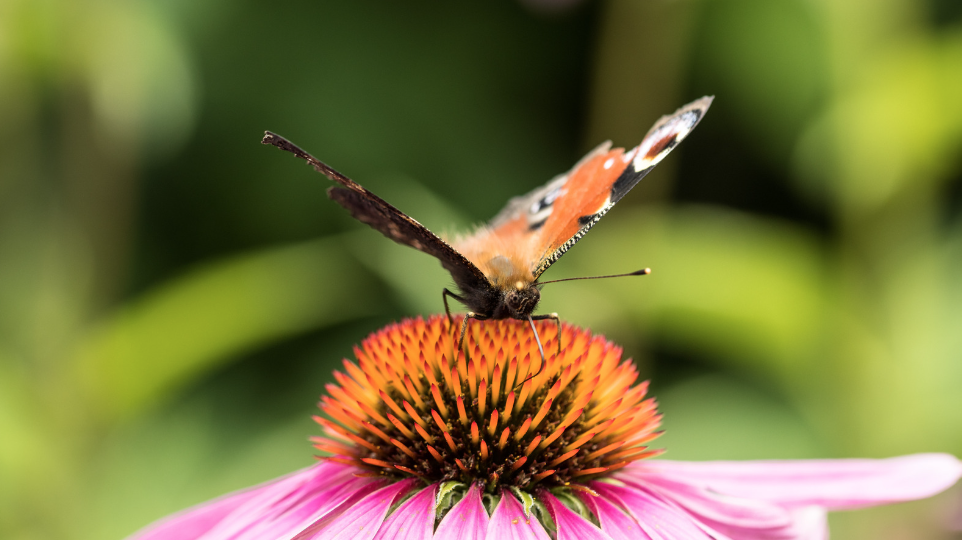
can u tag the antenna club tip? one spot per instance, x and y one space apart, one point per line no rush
646 271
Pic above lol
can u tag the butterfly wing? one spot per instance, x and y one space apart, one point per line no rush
368 208
552 218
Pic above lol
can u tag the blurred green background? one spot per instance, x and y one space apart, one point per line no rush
174 296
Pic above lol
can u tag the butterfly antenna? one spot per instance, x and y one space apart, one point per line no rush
642 272
537 340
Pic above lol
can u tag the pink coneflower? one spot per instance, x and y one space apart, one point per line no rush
425 443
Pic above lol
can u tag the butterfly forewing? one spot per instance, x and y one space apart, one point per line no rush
368 208
551 219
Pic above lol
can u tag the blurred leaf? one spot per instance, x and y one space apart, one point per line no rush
180 454
139 75
767 64
185 327
724 284
898 128
715 417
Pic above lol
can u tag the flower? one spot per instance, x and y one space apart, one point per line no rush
504 443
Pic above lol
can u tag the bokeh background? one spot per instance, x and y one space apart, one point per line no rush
174 296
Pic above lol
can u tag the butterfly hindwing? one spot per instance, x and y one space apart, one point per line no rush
551 219
391 222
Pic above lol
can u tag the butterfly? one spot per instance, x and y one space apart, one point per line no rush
497 268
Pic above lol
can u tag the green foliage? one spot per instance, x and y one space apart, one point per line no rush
167 285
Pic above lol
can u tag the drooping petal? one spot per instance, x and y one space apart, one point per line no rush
282 506
509 522
362 520
658 519
570 525
466 520
413 520
194 522
745 519
834 484
614 522
325 497
811 523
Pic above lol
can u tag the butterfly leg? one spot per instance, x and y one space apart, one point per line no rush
444 297
464 325
554 317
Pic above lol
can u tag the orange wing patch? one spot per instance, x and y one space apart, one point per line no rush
588 194
535 230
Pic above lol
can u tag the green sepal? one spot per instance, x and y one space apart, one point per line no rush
449 493
527 501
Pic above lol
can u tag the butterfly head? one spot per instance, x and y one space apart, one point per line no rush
521 299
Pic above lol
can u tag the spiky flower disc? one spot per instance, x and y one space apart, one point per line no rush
411 406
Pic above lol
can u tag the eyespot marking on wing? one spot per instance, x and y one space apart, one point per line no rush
663 137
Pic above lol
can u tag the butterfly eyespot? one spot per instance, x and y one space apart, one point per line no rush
547 200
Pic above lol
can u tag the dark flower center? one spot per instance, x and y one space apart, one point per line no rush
411 406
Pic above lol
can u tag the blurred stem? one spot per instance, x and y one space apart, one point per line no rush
640 64
100 187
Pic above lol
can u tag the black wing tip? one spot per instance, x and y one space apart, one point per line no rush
270 137
273 139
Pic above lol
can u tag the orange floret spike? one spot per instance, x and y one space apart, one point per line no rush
393 405
439 400
493 424
482 397
532 446
472 380
508 406
404 448
450 441
495 385
401 427
462 415
553 437
541 413
424 434
562 458
504 438
416 394
413 414
523 429
542 475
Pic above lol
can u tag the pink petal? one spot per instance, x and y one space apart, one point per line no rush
745 519
510 523
811 523
834 484
467 520
570 525
362 520
659 520
281 506
290 511
413 520
616 524
194 522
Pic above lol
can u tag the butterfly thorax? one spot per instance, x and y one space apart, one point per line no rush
510 291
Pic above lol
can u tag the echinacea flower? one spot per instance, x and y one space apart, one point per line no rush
424 442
